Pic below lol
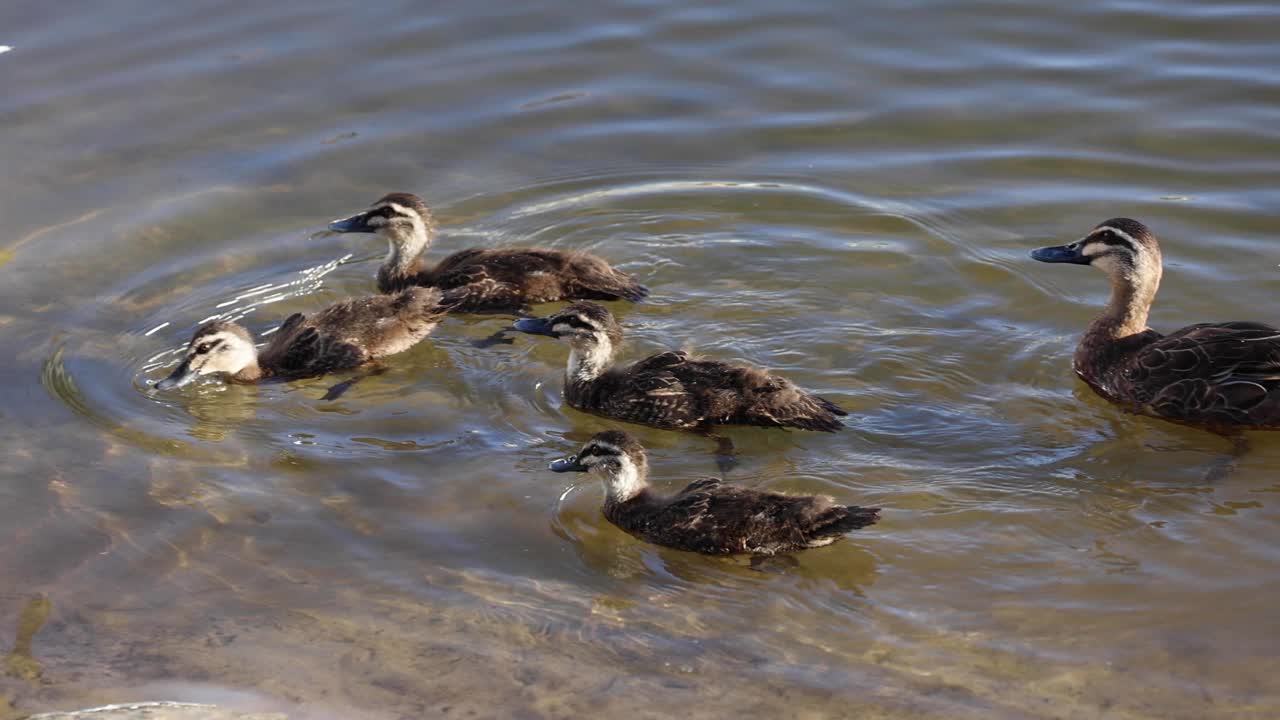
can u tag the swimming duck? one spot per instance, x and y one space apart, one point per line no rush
481 279
672 390
342 336
1222 377
709 516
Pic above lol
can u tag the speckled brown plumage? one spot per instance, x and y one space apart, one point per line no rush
483 280
672 389
339 337
351 333
709 516
1223 377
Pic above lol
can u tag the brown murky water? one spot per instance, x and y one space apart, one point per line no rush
844 195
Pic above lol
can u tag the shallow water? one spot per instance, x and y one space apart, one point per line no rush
844 195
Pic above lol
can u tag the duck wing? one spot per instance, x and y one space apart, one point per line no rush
379 325
519 276
474 284
590 277
715 517
700 484
1214 373
653 391
348 334
309 352
290 325
742 395
772 400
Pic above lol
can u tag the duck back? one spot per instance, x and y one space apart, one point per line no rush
672 390
495 279
1220 376
716 518
348 334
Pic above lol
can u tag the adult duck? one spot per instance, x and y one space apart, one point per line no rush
1223 377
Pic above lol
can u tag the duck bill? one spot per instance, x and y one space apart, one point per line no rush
358 223
535 326
569 464
1060 254
181 375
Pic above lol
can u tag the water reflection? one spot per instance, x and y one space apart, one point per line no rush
806 189
20 663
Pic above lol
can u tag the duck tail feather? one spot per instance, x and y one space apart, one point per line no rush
634 291
819 423
833 408
848 518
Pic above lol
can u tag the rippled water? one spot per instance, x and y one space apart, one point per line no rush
845 195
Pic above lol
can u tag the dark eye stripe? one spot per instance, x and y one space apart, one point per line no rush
388 212
1107 237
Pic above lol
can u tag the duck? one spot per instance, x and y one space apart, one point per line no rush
709 516
671 389
482 280
1222 377
342 336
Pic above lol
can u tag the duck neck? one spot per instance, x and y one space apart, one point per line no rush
407 244
404 253
589 362
1126 312
249 373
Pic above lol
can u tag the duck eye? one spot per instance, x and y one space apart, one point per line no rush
202 348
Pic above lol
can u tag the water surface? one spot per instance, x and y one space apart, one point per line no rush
845 195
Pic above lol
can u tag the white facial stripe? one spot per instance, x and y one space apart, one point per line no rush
218 336
399 210
1094 249
1117 231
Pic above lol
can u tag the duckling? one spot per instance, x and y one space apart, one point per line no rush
709 516
671 390
1223 377
483 280
342 336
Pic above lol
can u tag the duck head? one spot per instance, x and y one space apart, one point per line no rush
218 347
402 218
590 330
1127 251
616 458
1119 247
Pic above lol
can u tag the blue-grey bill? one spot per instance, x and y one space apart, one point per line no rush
534 326
1060 254
569 464
180 376
357 223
